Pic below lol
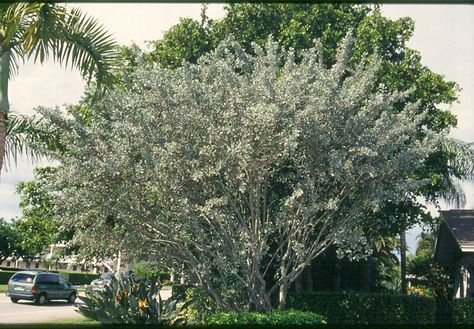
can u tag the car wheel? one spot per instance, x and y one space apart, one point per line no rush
72 298
41 299
14 300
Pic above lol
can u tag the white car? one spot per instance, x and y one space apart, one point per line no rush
100 283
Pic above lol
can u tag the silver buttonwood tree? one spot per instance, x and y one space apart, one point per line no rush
240 170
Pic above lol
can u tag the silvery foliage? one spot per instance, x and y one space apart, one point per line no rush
240 167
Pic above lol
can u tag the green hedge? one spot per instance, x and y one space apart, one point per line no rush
463 310
5 276
78 278
359 308
287 317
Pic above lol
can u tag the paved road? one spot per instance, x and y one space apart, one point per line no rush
27 312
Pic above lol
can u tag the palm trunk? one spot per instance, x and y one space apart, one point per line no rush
337 274
368 266
3 136
308 278
4 103
299 285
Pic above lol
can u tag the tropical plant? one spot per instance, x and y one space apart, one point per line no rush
43 30
130 300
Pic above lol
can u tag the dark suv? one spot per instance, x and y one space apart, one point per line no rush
40 286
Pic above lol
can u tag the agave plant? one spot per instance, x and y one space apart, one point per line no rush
131 300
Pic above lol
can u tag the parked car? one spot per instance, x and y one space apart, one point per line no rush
40 286
100 283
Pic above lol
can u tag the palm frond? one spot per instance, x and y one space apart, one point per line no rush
462 168
25 135
463 161
85 44
44 30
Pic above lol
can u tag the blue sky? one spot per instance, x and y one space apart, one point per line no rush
443 35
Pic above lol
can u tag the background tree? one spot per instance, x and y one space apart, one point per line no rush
241 165
41 30
36 228
9 240
295 26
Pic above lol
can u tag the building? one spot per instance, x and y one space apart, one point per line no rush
67 263
455 249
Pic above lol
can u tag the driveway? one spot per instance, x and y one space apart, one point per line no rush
28 312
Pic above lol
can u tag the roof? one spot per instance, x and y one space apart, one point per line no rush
30 271
461 225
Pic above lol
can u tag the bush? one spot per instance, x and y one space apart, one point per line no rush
201 305
463 311
5 276
358 308
287 317
78 278
145 270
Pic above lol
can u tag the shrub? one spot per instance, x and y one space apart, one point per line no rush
78 278
286 317
201 305
130 301
5 276
463 311
75 278
145 270
358 308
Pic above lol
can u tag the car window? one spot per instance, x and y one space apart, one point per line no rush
62 281
23 277
47 279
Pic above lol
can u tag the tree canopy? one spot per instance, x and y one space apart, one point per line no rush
295 26
242 163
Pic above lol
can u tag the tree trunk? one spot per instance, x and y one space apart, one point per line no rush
403 260
4 103
282 296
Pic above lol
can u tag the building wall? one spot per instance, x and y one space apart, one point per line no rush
68 266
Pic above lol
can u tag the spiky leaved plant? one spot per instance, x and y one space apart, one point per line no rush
130 300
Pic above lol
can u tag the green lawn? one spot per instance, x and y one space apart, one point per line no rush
82 321
3 288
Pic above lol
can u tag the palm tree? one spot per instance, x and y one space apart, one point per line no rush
43 30
460 166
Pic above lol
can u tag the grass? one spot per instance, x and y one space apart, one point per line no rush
3 288
82 321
